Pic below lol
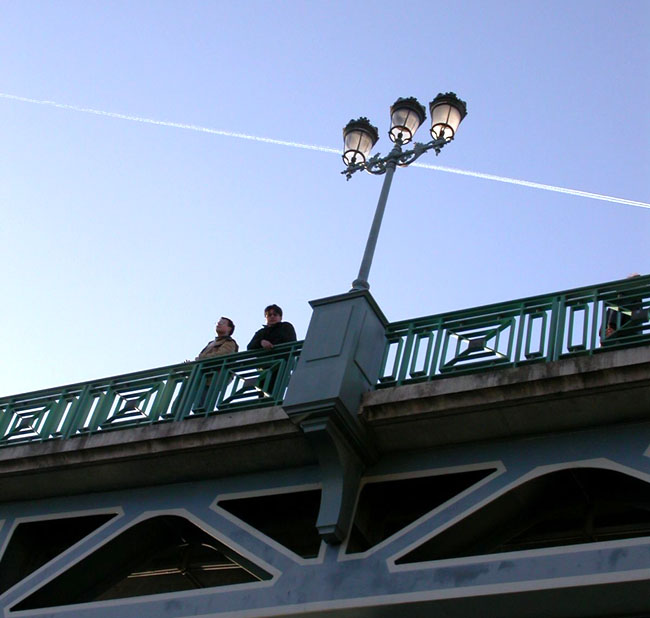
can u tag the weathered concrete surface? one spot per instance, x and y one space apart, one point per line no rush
200 448
578 392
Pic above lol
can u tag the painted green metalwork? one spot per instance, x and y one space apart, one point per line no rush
211 386
530 330
518 332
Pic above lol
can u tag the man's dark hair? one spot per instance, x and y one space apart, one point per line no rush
275 308
230 323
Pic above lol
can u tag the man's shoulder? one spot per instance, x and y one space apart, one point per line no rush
282 326
287 331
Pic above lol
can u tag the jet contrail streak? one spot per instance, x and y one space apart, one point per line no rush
165 123
268 140
534 185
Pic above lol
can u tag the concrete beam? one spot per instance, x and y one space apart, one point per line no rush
193 449
573 393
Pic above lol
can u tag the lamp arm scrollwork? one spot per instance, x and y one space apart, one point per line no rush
378 165
419 149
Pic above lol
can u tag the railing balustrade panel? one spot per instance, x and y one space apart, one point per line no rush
530 330
225 383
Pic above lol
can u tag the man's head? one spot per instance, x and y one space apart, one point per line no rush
273 314
225 326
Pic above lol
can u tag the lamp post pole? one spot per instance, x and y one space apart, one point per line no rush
361 282
447 112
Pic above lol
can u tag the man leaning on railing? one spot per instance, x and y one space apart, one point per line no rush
274 333
223 343
624 320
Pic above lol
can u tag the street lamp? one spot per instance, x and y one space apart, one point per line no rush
406 115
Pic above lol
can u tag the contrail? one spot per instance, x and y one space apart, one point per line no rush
165 123
534 185
278 142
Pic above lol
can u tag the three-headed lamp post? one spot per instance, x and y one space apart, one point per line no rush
359 136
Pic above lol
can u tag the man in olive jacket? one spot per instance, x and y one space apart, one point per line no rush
223 343
274 333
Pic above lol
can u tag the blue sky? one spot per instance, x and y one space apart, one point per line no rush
123 241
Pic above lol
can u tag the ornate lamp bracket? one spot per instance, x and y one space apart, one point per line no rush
378 165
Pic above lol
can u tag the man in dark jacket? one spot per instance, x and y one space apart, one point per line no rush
274 333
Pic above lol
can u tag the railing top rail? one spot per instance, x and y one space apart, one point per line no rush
77 387
602 290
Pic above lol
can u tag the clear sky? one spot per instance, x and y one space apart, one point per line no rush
124 241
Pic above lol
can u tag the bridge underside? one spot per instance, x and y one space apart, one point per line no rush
525 494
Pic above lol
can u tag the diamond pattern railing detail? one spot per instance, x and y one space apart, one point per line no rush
536 329
224 383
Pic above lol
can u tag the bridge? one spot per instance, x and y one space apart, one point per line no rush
490 461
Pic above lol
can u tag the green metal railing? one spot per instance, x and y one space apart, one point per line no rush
530 330
212 386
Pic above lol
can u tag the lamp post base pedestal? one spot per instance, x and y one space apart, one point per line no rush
340 360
